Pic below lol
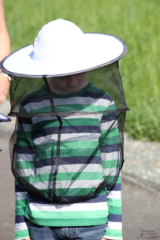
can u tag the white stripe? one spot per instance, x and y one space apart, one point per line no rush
110 156
62 169
76 167
67 184
67 137
115 225
107 125
20 226
114 195
81 100
42 119
77 207
19 238
92 116
111 238
25 157
37 105
68 101
47 118
21 195
109 172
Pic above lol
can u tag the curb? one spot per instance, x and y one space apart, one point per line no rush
144 183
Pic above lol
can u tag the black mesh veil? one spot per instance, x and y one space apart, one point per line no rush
68 147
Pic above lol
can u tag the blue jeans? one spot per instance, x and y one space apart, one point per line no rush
38 232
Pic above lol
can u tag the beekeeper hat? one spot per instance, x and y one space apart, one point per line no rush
61 48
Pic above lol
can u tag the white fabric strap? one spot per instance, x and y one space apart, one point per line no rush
6 75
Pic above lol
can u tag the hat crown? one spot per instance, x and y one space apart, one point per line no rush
56 36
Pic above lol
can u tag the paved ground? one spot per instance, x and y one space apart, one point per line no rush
141 208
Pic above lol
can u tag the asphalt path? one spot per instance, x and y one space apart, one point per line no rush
141 208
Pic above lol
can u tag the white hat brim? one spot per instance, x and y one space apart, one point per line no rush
99 50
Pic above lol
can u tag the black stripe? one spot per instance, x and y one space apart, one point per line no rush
115 218
68 161
109 148
34 99
109 117
25 149
20 219
117 187
96 199
19 188
66 130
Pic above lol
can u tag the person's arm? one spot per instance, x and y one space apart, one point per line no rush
21 229
110 162
4 51
24 156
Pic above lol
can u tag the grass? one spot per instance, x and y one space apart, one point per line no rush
136 22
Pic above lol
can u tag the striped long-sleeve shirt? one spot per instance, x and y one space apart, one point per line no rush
79 137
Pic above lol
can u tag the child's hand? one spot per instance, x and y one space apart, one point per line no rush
27 238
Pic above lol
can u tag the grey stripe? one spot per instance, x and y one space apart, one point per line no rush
25 157
62 169
110 156
67 138
68 184
107 125
68 101
91 116
110 172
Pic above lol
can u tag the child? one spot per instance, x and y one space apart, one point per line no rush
67 150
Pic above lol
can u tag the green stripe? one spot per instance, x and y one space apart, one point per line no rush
22 202
66 123
119 179
24 165
67 176
110 163
49 151
112 233
68 222
22 234
113 209
115 202
83 144
73 214
111 133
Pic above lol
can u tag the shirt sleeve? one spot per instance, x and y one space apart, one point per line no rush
110 154
21 228
24 156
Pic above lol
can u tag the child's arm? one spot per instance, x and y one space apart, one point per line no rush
21 229
24 154
114 228
110 162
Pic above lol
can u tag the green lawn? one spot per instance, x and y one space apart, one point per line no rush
136 22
